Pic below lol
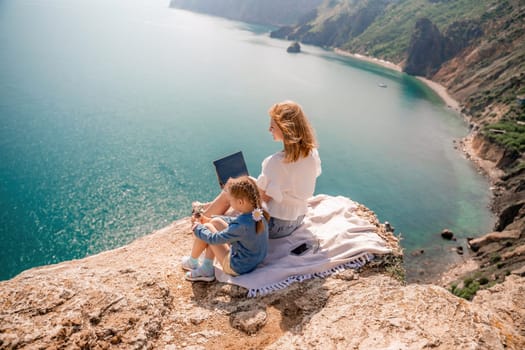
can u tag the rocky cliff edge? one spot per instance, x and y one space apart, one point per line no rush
135 297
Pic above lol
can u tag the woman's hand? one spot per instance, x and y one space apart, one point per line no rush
194 225
196 219
265 198
204 219
199 218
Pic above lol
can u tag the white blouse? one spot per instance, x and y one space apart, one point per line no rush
289 184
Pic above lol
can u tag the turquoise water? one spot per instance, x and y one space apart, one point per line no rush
111 113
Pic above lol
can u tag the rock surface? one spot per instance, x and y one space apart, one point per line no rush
429 48
477 243
295 47
426 50
135 297
376 312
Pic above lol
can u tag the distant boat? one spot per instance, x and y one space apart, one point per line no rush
383 85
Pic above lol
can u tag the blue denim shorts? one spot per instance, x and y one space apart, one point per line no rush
281 228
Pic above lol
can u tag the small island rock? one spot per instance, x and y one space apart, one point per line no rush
294 48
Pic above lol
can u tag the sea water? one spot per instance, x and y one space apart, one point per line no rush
111 113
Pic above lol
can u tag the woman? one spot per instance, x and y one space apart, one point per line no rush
288 177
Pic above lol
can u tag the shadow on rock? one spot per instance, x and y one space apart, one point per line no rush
287 309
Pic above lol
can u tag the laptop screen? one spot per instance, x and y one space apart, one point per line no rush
231 166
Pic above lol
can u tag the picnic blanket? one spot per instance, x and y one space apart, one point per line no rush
337 239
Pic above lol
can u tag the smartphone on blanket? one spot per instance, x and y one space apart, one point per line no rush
300 249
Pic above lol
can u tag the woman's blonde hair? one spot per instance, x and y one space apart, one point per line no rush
244 187
298 135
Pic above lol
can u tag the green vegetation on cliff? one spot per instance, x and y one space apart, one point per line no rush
389 36
507 133
382 28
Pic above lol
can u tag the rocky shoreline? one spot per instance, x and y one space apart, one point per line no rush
488 168
485 166
486 264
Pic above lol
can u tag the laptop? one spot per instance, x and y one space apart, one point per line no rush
231 166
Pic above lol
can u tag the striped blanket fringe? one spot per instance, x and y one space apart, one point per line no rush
356 263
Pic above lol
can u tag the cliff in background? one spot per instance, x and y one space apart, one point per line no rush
135 297
273 12
481 61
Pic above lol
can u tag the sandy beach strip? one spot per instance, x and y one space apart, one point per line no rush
439 89
382 63
442 92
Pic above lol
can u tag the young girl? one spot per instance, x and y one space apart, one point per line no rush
239 243
287 177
